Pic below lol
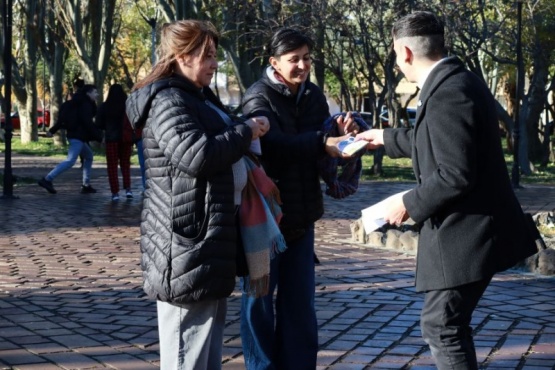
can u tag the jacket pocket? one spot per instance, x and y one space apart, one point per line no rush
194 233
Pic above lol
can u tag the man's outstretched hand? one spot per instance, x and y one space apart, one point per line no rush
374 138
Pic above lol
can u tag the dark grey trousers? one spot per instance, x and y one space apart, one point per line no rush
445 323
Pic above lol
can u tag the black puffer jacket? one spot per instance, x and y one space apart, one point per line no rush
292 147
188 231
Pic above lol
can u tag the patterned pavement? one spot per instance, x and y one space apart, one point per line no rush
71 298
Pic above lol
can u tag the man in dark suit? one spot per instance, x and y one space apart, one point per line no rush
472 223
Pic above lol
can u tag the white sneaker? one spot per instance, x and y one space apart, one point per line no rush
115 197
129 194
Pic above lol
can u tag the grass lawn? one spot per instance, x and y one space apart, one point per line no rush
401 170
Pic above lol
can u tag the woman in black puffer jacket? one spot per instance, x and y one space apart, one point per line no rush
195 173
291 150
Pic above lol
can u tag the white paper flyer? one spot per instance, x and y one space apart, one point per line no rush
373 216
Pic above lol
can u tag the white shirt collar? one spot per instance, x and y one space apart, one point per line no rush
425 75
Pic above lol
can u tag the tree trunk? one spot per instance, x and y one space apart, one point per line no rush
90 30
536 98
29 130
546 144
377 167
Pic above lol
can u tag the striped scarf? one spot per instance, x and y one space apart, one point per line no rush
259 216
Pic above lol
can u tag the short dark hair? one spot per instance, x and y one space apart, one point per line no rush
428 27
420 23
78 83
87 88
286 40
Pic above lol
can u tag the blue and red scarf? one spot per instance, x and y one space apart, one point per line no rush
259 217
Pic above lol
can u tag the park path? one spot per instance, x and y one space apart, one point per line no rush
71 298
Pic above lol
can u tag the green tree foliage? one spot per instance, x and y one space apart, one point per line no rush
133 43
90 28
107 41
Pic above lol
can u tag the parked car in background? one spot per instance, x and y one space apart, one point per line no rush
43 117
16 124
15 121
410 111
367 117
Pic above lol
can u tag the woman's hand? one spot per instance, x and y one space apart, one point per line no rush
333 149
347 124
259 126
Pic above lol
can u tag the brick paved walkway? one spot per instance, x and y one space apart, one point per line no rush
70 288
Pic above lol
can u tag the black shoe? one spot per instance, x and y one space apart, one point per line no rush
87 189
47 185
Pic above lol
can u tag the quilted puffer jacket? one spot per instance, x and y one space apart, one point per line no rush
293 145
188 230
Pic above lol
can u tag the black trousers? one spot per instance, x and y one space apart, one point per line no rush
445 323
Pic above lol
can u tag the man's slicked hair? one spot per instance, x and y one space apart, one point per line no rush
425 27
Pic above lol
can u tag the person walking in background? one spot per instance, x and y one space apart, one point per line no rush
118 135
77 85
296 109
472 223
195 175
77 118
